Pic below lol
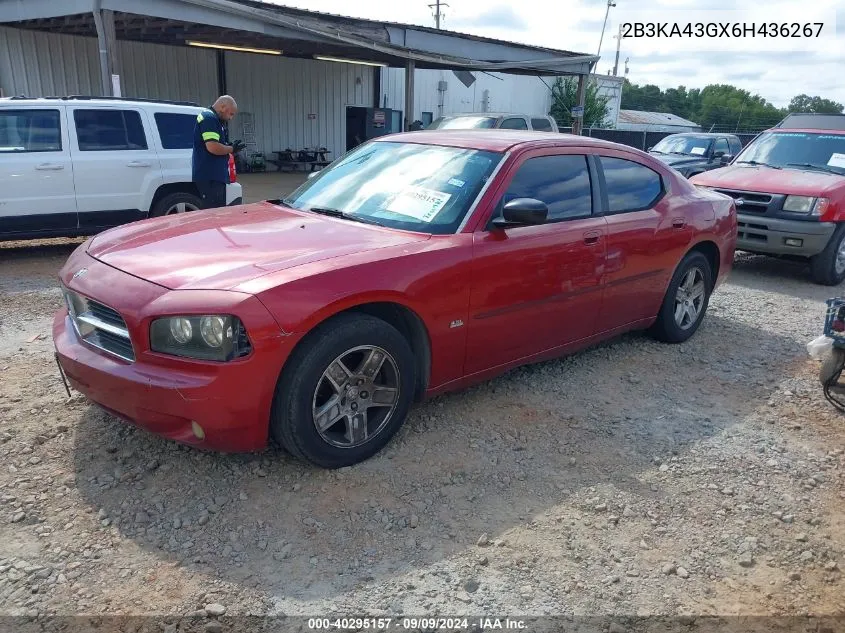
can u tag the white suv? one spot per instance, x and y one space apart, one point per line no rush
76 165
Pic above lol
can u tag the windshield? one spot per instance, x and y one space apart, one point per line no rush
424 188
689 145
462 123
798 150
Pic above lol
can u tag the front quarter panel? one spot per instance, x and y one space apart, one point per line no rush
430 278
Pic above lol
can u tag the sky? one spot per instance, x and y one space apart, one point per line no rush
777 69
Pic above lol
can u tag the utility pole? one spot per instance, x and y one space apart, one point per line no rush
618 45
610 3
437 12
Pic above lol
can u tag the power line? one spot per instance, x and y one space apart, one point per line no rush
437 12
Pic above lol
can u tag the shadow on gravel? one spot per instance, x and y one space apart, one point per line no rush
481 461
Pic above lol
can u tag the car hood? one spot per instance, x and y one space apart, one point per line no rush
676 160
222 248
765 179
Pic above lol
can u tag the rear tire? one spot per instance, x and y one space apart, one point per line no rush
828 267
329 407
177 202
686 300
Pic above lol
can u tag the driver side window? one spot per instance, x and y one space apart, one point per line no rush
721 146
562 182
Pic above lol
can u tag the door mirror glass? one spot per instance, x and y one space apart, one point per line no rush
724 159
522 212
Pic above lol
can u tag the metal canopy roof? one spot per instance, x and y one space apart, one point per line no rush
298 33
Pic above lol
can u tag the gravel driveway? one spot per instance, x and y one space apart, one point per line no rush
634 478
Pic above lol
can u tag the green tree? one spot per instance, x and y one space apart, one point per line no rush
805 103
565 97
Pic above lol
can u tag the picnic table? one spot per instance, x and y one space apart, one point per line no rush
306 158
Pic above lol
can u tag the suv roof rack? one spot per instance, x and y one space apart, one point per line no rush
813 120
95 98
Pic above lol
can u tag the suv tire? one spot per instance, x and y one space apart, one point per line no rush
828 267
176 202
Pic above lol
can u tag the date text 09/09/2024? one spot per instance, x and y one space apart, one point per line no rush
721 29
415 624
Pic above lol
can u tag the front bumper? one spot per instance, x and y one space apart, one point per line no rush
775 236
230 402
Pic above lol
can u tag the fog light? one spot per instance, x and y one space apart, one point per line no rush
791 241
198 432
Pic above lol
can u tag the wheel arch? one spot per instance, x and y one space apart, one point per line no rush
406 320
711 251
172 187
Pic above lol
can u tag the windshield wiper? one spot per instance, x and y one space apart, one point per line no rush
337 213
825 168
682 154
754 162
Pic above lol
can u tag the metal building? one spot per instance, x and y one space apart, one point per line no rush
641 121
305 78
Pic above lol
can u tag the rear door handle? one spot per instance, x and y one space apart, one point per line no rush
49 167
138 163
679 223
591 237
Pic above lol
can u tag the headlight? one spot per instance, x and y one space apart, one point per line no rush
218 337
799 204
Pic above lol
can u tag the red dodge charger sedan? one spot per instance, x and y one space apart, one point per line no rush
417 263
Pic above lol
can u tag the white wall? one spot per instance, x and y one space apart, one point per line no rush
507 93
281 92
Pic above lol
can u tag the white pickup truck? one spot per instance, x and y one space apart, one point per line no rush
75 166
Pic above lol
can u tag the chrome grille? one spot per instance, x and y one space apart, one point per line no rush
754 202
99 325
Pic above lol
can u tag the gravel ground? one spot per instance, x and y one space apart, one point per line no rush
634 478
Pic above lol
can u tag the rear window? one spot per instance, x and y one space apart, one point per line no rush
30 131
542 125
176 130
514 123
462 123
109 130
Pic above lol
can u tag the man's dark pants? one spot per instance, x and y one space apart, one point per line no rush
213 193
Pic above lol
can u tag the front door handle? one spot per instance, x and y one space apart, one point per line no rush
592 237
679 223
138 163
49 167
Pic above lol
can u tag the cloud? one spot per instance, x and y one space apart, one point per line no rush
498 17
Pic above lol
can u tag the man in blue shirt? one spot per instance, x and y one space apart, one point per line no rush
210 159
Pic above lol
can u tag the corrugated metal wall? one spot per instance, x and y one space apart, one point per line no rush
46 64
281 93
506 93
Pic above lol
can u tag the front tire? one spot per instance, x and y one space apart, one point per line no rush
345 392
686 300
828 267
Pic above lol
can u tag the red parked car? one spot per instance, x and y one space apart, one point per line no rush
416 264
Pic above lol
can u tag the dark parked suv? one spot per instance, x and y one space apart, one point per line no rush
788 185
692 153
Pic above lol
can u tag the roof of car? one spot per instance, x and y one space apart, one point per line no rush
94 101
704 134
805 130
498 140
455 115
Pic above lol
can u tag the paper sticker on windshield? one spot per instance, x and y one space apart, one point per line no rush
456 183
419 202
837 160
698 151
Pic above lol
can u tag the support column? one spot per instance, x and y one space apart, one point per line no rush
409 94
222 89
107 47
578 122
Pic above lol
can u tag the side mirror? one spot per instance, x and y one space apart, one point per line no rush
522 212
724 159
